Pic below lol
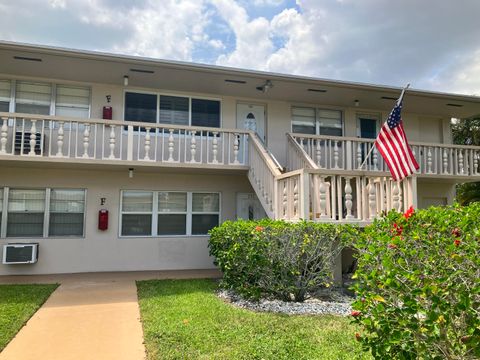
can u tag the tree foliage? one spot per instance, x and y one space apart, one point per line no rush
467 132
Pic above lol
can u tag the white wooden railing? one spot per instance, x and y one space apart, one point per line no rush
263 174
341 197
29 135
347 153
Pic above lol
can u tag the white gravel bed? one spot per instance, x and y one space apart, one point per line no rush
334 302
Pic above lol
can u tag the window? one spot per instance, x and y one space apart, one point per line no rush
176 110
5 91
137 213
205 113
205 212
303 120
66 212
172 213
140 107
72 101
26 213
39 212
167 213
33 98
317 121
330 122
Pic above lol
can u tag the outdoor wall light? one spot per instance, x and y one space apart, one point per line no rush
130 172
125 80
357 103
265 87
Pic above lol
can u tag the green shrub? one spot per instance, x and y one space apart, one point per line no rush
284 260
418 287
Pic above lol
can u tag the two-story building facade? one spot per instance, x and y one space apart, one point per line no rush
120 163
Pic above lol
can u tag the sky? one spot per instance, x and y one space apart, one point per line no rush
432 44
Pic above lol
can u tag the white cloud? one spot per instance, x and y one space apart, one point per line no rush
268 2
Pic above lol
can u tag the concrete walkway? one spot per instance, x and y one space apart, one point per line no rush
89 316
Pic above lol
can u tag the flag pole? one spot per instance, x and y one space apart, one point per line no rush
397 103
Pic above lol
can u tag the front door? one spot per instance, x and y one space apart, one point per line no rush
252 117
249 207
368 127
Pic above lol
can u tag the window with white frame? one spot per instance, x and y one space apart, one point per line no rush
5 94
306 120
72 101
33 97
42 212
176 110
168 213
66 212
137 213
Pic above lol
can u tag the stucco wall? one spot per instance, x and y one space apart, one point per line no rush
105 250
435 193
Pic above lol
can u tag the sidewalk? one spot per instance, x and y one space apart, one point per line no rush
89 316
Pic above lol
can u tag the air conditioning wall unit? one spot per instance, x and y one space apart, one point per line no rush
20 253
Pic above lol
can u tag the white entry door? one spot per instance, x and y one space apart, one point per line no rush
249 207
252 117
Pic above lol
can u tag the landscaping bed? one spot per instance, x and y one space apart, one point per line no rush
17 304
185 319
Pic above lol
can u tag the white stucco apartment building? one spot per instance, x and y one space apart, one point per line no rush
189 146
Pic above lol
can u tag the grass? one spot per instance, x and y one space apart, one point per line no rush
17 304
183 319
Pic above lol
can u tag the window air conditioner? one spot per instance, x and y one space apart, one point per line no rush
20 253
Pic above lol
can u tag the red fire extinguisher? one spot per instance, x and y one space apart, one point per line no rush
103 220
107 112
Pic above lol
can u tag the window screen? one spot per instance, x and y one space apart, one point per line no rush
137 213
72 101
26 210
33 98
174 110
205 113
141 107
205 212
5 91
66 212
303 120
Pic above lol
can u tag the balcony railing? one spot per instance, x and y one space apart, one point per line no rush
346 153
36 136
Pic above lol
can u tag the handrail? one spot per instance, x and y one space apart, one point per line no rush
265 155
302 151
367 140
120 123
279 166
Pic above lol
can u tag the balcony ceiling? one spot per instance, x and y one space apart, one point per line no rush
94 67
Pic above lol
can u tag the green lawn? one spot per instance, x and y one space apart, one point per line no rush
17 304
183 319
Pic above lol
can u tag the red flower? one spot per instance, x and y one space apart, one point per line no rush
358 336
392 246
456 242
397 229
409 212
355 313
456 232
259 228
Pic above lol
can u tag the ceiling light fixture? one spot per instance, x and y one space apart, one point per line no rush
357 103
27 58
265 87
125 80
130 172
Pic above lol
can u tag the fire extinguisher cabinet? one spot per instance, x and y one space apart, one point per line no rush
107 112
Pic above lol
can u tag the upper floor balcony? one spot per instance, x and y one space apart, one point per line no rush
93 141
458 162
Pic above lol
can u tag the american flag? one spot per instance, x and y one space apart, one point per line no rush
393 146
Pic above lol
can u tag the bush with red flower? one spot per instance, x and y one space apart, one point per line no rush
419 293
